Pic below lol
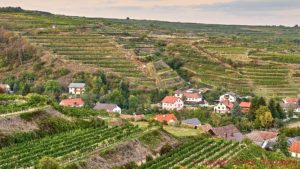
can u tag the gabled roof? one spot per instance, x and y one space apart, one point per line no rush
170 99
193 121
290 100
105 106
245 104
72 102
192 95
260 136
228 132
76 85
165 117
291 140
227 103
295 147
206 127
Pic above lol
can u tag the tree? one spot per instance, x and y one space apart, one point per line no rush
273 109
282 144
15 88
280 111
116 97
263 117
254 106
215 119
48 163
133 102
53 87
262 102
26 89
236 111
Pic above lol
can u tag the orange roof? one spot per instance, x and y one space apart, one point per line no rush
295 147
72 102
291 100
245 104
165 117
170 99
228 104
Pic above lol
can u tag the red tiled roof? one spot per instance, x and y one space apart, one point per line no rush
170 99
228 104
295 147
291 100
245 104
72 102
165 117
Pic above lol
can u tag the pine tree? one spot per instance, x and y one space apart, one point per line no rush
280 111
254 106
236 111
262 102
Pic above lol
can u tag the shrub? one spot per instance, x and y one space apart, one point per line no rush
48 163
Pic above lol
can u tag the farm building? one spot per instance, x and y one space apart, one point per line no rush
76 88
112 108
229 132
194 122
78 102
172 103
265 139
206 127
223 107
230 96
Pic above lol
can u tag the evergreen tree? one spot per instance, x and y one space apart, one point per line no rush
15 88
236 111
280 111
262 102
26 89
272 107
254 106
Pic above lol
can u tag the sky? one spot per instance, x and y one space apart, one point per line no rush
241 12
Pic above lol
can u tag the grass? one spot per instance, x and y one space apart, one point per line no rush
183 132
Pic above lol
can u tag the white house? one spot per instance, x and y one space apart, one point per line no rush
294 149
76 88
223 107
228 96
189 96
112 108
172 103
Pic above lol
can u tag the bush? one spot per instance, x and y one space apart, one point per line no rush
48 163
165 149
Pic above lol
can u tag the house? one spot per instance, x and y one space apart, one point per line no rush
172 103
190 96
206 127
194 122
5 88
78 102
290 106
168 118
111 108
229 132
76 88
230 96
133 117
223 107
289 100
245 106
294 149
265 139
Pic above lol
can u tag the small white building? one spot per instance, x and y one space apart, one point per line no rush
228 96
76 88
223 107
172 103
5 88
294 149
112 108
189 96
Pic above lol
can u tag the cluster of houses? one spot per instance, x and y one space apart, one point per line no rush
77 89
188 98
226 103
291 104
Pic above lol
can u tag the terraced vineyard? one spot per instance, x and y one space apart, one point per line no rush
66 147
196 154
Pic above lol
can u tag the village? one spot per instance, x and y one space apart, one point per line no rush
228 104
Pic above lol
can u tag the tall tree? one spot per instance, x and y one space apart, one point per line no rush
282 144
280 111
236 111
133 102
272 107
254 106
262 101
263 117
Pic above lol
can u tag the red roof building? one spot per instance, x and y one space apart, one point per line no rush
78 102
290 100
245 106
295 149
169 118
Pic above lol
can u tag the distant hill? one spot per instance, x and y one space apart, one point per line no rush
263 60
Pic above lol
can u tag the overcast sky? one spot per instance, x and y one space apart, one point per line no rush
250 12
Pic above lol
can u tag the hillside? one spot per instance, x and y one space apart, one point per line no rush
263 60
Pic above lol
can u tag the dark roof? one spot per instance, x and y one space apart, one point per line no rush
76 85
193 121
291 140
229 132
105 106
